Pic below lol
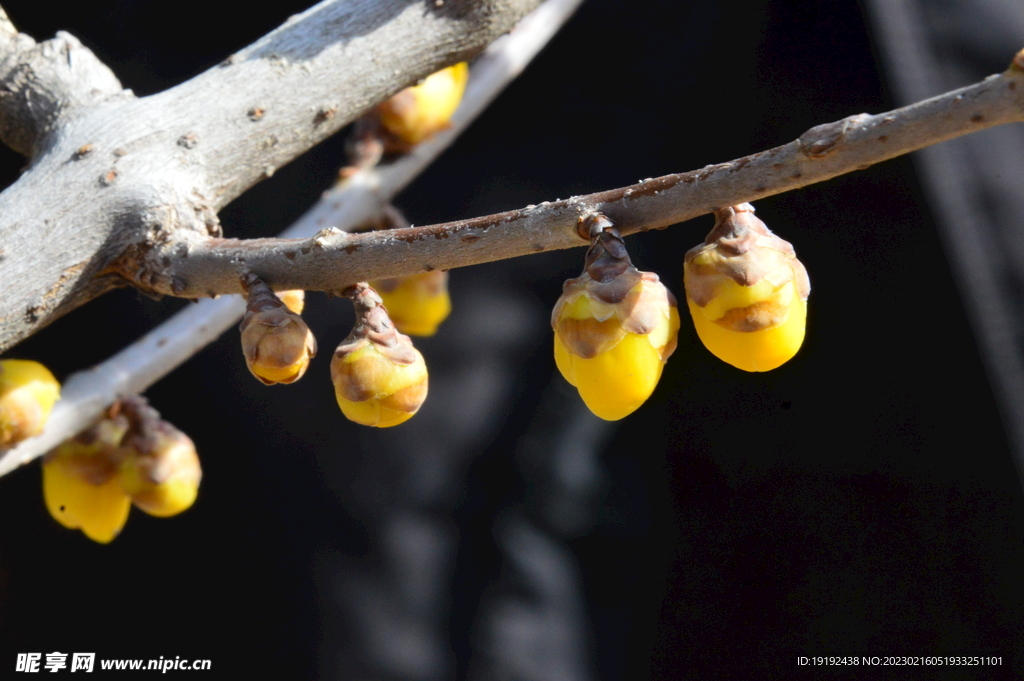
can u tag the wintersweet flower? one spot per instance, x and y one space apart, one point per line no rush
28 392
418 303
379 378
276 343
615 327
129 456
160 469
423 110
747 292
294 300
80 486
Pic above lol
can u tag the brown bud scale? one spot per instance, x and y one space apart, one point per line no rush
273 337
742 248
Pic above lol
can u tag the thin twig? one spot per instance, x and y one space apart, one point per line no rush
87 393
332 260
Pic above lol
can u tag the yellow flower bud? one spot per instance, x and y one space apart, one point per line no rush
612 340
375 390
162 477
27 393
276 343
423 110
747 292
418 303
80 485
293 300
379 378
132 455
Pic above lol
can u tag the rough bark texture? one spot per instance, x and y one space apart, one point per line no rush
88 392
111 173
40 82
333 260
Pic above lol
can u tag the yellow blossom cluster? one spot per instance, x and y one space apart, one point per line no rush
130 457
615 326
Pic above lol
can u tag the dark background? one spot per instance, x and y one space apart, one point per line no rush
859 500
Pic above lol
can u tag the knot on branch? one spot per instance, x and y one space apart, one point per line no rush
165 235
821 140
40 82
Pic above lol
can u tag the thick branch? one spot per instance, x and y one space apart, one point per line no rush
41 82
126 173
270 102
86 394
331 261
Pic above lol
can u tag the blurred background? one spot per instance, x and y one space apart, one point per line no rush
862 499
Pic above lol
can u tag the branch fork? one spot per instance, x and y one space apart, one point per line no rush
116 181
332 261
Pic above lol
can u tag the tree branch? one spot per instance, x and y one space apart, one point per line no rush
122 173
821 153
333 260
321 70
41 82
87 393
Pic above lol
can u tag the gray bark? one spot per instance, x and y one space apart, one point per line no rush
334 260
88 392
112 176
